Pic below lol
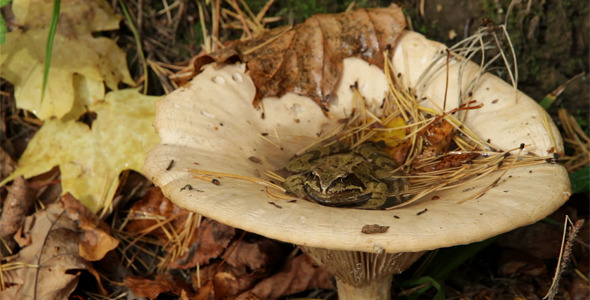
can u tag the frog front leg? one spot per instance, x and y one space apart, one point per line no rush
378 197
294 184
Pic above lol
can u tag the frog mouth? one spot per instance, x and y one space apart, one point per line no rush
344 192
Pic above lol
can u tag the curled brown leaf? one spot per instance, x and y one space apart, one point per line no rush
18 204
306 59
299 274
52 257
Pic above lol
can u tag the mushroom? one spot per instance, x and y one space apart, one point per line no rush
211 125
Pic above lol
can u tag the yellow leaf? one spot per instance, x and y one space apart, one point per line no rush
394 135
75 52
90 159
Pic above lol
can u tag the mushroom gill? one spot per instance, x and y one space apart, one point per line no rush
210 125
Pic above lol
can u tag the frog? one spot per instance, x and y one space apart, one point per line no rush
336 175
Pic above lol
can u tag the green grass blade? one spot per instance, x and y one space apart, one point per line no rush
49 47
427 282
547 101
4 2
3 30
581 180
449 259
138 43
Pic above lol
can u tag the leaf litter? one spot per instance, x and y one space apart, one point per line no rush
306 59
64 238
90 159
218 275
17 205
223 261
76 53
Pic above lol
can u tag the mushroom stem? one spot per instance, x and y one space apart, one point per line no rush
362 275
378 289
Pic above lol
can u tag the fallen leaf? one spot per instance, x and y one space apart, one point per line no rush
76 53
307 58
226 285
205 291
208 241
151 288
439 137
514 263
49 267
90 159
394 135
6 162
298 274
257 257
245 262
150 210
540 240
374 228
211 240
96 240
17 205
579 288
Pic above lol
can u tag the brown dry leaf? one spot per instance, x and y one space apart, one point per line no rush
255 258
47 267
515 263
307 58
151 288
205 292
226 285
438 135
540 240
7 164
579 288
299 274
17 205
244 263
96 240
209 242
154 205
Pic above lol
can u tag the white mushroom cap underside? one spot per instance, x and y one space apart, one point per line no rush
210 124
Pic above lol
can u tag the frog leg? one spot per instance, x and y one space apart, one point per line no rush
294 184
378 197
384 163
302 162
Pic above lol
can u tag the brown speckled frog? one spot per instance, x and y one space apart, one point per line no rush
335 175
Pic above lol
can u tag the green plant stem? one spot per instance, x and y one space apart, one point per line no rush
49 46
138 43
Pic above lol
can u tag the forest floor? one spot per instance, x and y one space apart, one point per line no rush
551 43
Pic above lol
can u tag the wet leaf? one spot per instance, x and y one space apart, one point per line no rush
76 52
90 159
307 58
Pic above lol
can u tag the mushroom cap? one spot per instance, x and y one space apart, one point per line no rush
210 124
